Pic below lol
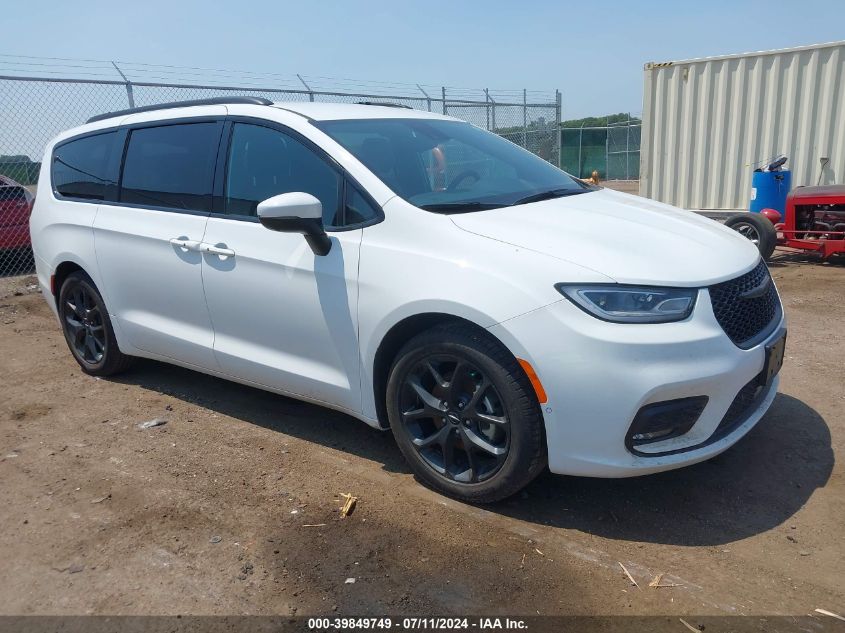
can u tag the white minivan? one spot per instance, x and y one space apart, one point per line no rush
416 272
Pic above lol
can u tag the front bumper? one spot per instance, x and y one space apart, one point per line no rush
598 375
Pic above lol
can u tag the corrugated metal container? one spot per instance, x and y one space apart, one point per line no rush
708 122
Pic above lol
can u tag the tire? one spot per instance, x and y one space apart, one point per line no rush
757 228
87 328
465 373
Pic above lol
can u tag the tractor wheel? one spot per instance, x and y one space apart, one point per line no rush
757 228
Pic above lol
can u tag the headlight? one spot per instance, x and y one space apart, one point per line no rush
632 304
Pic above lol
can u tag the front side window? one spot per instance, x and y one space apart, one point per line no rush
264 162
81 167
171 166
450 166
358 208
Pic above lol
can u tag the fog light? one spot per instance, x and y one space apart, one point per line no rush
664 420
653 435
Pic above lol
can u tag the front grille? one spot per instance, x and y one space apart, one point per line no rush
745 307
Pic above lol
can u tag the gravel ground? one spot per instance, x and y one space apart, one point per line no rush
625 186
231 507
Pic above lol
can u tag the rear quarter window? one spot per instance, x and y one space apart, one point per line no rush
82 168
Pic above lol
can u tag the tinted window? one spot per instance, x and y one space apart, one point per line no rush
171 166
358 210
15 194
264 162
81 167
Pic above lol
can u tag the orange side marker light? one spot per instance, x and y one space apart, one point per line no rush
535 380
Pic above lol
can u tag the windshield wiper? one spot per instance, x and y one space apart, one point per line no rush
460 207
548 195
470 205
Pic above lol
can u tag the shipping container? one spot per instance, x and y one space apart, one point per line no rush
707 123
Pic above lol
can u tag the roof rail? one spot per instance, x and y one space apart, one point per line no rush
386 105
183 104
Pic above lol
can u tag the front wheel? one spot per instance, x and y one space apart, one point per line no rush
88 329
756 228
465 415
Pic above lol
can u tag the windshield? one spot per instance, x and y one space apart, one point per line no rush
450 166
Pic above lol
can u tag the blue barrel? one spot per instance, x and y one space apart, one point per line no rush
769 190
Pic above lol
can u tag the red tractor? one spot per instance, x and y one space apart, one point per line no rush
815 221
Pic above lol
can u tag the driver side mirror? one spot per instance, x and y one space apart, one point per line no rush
296 212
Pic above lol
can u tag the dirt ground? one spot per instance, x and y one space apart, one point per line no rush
625 186
231 507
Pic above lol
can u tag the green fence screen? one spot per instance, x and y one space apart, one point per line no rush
612 151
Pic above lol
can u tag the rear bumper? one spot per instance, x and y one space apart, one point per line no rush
44 272
598 375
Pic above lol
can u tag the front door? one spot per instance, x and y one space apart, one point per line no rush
283 317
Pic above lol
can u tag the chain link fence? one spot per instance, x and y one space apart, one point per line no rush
623 151
612 150
35 109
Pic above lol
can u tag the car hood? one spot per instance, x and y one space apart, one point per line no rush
630 239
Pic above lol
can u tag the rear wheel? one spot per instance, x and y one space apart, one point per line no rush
88 329
756 228
465 415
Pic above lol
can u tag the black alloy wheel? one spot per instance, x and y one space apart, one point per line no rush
83 322
455 418
87 327
464 414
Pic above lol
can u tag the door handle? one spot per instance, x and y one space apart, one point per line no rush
220 251
187 245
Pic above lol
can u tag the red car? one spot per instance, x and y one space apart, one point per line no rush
15 207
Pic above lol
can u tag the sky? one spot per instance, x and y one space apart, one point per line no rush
593 52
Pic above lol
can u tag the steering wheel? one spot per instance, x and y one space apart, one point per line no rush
467 173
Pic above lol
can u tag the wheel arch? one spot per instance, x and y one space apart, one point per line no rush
400 333
65 263
69 264
63 270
